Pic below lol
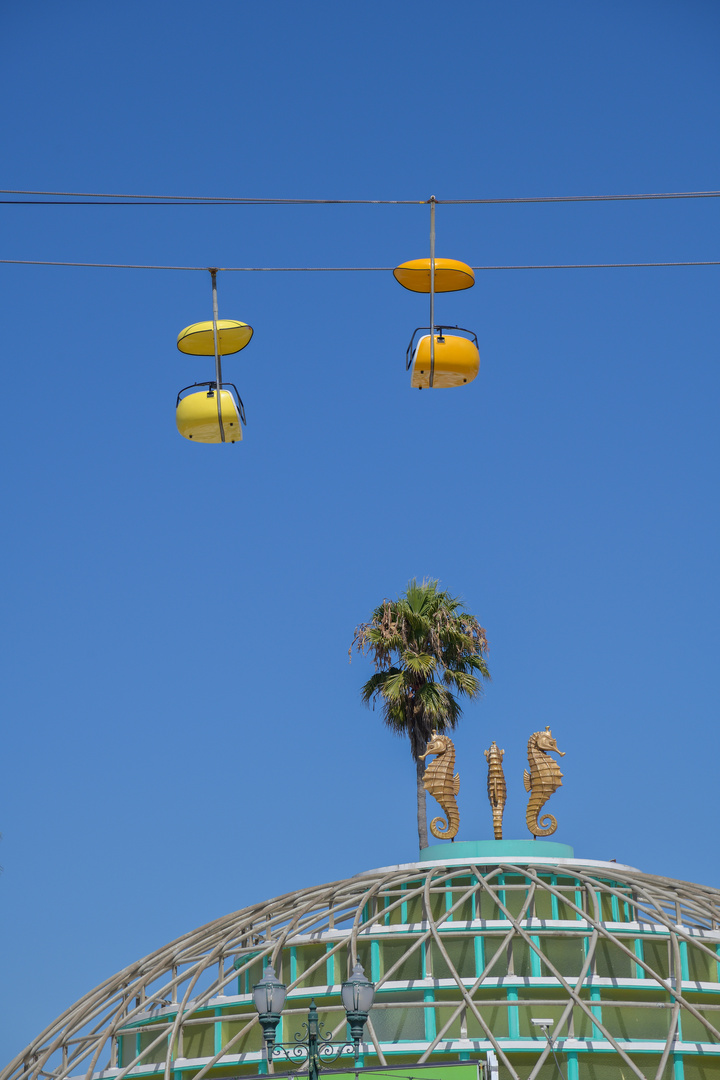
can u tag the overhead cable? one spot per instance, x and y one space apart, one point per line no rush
354 269
110 266
174 200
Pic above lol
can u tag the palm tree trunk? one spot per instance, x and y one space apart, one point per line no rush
421 808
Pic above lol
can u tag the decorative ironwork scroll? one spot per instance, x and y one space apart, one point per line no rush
314 1046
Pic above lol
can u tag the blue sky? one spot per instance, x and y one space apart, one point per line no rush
183 731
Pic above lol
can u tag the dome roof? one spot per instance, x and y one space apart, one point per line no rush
464 953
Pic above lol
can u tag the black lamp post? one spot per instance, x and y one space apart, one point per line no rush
269 997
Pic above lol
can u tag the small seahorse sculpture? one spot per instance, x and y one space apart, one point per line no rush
543 779
442 785
497 788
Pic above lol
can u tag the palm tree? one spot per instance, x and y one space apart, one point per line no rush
427 651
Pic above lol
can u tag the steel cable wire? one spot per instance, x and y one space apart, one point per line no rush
358 269
174 200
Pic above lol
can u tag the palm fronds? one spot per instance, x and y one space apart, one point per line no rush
427 651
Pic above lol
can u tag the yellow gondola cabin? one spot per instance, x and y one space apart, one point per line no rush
199 418
457 358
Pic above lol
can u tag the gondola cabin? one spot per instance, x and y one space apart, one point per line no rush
198 417
457 359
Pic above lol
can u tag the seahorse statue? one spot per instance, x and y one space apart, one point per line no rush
442 785
543 779
497 788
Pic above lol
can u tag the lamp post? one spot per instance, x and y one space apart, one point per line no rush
269 997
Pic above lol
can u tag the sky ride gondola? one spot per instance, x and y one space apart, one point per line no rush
439 360
213 415
456 361
197 414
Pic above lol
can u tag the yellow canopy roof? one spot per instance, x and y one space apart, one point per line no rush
197 339
450 275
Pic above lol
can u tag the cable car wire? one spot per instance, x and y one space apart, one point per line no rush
190 200
354 269
111 266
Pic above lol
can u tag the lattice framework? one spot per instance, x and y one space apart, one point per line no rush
165 991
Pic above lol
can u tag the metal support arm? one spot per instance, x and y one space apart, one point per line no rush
314 1048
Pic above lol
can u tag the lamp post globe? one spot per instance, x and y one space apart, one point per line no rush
358 994
269 998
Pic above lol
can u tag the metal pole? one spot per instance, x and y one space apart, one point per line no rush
432 289
218 367
312 1030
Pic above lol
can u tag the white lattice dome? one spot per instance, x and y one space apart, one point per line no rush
464 952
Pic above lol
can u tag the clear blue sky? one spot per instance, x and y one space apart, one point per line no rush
183 733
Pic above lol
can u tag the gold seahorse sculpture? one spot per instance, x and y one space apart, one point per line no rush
442 785
543 779
497 788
